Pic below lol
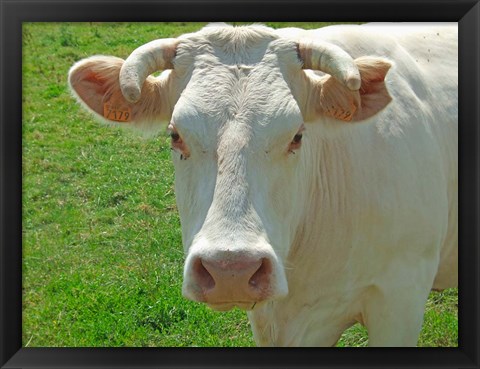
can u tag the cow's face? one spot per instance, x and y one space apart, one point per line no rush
236 136
236 101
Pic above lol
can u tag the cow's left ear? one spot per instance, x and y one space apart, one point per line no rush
333 99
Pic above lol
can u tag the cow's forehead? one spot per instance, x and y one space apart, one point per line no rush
236 77
227 44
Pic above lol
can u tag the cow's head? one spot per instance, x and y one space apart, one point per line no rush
236 100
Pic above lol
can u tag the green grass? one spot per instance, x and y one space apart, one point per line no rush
102 254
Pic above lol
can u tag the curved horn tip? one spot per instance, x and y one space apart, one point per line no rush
131 93
354 83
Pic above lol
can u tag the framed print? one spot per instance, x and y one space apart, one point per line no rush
217 183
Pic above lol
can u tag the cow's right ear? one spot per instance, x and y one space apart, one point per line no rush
95 83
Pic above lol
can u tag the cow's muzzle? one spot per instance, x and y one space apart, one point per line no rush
225 280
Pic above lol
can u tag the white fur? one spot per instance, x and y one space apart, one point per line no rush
361 220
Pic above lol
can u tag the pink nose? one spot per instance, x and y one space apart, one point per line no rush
226 283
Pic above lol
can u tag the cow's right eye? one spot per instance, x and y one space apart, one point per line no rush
174 134
177 143
175 137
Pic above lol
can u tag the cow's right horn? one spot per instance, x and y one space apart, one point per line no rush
330 59
145 60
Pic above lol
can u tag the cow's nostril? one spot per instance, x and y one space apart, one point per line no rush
261 277
230 280
203 276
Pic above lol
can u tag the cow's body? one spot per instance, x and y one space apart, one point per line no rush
360 224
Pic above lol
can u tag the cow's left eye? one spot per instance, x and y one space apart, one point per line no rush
296 140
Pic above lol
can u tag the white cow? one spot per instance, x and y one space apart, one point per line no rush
316 171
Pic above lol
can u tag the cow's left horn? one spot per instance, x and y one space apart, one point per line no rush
145 60
330 59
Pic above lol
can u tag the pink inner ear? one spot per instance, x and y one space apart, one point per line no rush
102 82
96 84
95 80
373 92
337 101
372 71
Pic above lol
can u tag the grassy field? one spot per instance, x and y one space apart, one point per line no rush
102 254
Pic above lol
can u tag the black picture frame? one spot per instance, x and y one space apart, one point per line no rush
15 12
